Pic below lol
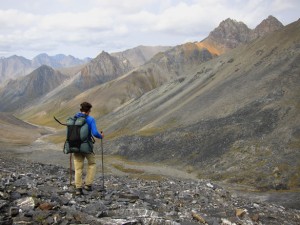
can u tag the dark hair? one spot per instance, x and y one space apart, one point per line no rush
85 107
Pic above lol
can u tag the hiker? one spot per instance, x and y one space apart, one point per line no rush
91 158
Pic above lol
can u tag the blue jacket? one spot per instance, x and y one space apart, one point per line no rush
91 123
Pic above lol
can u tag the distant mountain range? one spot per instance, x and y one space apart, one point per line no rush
18 66
57 61
225 106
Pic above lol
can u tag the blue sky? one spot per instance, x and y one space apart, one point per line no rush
84 28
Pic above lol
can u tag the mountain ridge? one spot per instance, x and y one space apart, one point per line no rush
163 67
18 66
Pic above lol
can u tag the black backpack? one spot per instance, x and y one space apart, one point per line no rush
78 139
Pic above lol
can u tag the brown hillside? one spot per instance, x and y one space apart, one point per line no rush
16 132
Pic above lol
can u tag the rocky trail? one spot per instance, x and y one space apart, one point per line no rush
36 193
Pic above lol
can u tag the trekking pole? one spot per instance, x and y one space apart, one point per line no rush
102 165
70 169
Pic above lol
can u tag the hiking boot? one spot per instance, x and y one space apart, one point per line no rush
78 191
88 188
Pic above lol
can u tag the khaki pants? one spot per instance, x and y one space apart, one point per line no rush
91 170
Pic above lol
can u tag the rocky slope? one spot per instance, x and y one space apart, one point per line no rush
33 193
235 119
103 68
18 93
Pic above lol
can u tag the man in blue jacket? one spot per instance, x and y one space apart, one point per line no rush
91 158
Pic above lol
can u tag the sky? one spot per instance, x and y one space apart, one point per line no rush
85 28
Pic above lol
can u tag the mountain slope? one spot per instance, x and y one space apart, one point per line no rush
111 95
237 118
102 69
18 93
179 61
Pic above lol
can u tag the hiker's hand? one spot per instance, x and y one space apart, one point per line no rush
102 134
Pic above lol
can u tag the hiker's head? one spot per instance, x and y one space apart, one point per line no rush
85 107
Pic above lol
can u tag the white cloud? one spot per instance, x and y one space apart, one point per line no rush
15 18
184 18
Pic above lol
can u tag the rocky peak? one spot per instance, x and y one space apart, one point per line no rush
103 54
103 68
108 63
230 33
42 80
45 68
43 72
266 26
